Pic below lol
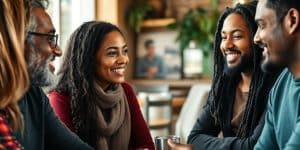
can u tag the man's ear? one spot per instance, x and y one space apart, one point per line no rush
291 20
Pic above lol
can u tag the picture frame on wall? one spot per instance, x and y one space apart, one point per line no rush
166 48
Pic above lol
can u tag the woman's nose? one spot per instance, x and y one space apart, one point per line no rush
123 59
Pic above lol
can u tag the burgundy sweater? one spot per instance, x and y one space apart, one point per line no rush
140 136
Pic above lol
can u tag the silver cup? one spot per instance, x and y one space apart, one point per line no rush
161 142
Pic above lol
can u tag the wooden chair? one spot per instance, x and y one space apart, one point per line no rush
156 96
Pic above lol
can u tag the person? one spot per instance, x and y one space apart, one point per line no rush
238 96
278 34
13 75
151 66
42 128
91 96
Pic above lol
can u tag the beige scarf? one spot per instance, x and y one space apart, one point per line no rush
114 132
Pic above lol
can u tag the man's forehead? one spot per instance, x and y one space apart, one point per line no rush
263 12
260 8
42 20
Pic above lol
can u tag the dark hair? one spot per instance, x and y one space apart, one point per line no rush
148 42
78 75
281 7
40 4
224 87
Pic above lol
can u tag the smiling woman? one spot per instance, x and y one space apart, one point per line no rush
112 60
91 97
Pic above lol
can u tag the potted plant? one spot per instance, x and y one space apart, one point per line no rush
136 14
198 25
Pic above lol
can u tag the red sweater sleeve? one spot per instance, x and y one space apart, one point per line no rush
60 103
140 134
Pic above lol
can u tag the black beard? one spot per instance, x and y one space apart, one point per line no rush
269 67
246 64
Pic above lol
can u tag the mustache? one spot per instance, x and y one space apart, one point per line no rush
261 44
52 58
232 50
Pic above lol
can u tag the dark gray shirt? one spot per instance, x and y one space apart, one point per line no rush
42 129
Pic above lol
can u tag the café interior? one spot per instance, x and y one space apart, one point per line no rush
170 104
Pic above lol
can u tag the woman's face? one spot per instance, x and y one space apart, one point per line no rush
112 59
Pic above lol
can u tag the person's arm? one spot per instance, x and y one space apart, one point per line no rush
57 135
61 106
293 143
161 68
205 132
140 135
267 138
141 68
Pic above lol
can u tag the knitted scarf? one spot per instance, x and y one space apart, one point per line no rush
113 132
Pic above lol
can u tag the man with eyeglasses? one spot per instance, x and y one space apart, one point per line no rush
42 129
41 47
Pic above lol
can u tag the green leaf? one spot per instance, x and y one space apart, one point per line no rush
135 15
173 26
214 4
198 25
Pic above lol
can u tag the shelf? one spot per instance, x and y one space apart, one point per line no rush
154 23
180 83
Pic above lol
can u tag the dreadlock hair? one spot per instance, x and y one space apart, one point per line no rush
282 7
223 86
78 74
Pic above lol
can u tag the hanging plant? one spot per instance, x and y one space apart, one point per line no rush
136 14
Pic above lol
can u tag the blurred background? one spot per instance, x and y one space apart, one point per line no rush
183 35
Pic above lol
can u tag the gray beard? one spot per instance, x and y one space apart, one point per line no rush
40 75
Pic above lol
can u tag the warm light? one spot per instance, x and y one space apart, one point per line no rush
107 11
240 1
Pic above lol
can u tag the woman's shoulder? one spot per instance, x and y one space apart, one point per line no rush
57 95
127 88
129 92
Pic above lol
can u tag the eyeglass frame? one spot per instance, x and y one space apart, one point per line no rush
53 43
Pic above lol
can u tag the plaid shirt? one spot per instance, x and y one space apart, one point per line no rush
7 140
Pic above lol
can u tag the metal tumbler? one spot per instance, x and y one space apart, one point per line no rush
161 142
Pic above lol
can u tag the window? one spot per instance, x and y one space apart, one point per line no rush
67 15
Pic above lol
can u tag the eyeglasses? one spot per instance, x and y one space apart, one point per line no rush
52 38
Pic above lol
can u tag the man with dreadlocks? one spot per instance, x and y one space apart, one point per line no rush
237 100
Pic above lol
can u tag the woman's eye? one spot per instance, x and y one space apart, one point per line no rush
112 53
125 51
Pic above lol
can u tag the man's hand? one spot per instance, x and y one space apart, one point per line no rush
151 72
176 146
